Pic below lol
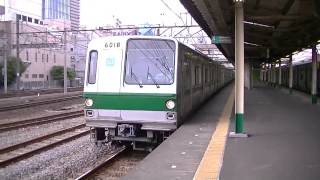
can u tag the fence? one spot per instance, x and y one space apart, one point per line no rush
49 84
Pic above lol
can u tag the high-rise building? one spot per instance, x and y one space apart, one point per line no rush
56 13
75 14
56 9
61 13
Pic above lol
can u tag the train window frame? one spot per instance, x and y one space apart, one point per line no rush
186 73
151 82
206 75
198 75
92 78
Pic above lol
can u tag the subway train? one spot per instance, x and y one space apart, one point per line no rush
139 89
302 77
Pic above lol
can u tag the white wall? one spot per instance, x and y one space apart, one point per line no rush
31 8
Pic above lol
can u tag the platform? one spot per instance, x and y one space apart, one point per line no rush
283 142
179 156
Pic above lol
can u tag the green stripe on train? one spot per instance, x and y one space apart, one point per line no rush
130 101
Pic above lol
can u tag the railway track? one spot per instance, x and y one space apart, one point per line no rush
37 103
26 149
107 162
40 120
116 165
35 92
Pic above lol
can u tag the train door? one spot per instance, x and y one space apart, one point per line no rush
108 78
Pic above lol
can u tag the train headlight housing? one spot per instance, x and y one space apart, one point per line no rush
88 102
170 104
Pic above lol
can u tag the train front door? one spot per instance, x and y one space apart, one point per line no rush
109 80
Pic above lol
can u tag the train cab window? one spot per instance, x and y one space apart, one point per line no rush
150 62
92 68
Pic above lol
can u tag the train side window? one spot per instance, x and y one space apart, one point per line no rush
186 74
197 73
200 76
92 69
206 75
194 76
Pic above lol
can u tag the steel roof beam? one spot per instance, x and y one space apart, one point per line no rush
277 17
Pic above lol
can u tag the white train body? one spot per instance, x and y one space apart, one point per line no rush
138 88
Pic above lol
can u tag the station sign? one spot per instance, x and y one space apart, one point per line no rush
124 32
221 40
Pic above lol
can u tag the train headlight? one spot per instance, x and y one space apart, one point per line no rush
88 102
170 104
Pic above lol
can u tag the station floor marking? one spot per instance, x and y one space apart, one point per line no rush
211 162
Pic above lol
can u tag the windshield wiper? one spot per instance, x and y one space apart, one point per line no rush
135 77
164 64
154 81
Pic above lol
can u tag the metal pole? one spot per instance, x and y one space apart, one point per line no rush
263 75
267 74
269 80
314 75
280 75
18 55
290 74
274 73
5 81
65 63
239 48
250 69
271 74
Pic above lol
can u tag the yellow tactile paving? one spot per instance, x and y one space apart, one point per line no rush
210 165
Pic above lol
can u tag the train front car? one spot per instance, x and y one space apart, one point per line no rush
130 89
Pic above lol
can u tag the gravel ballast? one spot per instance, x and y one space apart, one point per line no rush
23 134
62 162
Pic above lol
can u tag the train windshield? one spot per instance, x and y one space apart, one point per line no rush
150 62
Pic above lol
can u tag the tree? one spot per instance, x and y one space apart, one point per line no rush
57 73
71 73
11 70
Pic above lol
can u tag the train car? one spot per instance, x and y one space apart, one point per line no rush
302 77
139 89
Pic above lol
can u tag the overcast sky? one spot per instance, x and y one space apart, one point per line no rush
95 13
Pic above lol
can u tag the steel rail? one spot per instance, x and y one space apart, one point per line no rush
26 105
17 93
106 162
35 140
27 154
40 120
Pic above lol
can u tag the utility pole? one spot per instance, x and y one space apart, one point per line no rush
65 63
18 56
5 82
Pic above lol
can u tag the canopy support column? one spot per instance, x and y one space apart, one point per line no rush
314 76
239 74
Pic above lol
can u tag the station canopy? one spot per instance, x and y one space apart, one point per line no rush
273 29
